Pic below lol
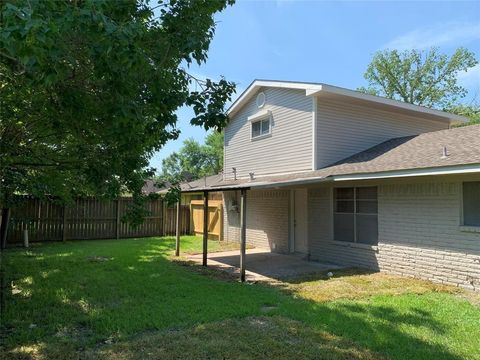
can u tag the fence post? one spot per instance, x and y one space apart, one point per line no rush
177 240
117 219
64 230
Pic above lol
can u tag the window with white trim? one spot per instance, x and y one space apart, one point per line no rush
471 203
260 127
355 216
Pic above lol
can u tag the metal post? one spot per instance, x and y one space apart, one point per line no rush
205 227
243 232
177 241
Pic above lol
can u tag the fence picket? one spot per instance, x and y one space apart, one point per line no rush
89 219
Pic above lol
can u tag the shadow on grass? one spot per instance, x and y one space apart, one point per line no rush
108 291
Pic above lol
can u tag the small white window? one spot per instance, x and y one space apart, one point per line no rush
261 128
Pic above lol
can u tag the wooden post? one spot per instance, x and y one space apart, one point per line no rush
117 221
64 230
205 227
25 238
177 230
243 232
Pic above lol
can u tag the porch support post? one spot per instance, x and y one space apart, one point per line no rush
177 229
205 227
243 232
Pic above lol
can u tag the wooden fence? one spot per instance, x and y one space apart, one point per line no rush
170 220
88 219
215 218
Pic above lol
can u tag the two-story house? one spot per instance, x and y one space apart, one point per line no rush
353 179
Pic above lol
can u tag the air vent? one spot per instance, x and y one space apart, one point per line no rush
261 98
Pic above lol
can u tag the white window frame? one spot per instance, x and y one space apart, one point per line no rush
463 226
355 240
260 117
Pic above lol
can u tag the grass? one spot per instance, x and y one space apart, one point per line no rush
126 299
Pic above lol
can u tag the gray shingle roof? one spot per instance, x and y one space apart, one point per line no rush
414 152
406 153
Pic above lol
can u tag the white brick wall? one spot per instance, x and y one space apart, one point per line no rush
419 233
267 219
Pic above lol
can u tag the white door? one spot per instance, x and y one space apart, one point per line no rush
300 221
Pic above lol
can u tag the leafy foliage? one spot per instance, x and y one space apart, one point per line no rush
425 78
194 160
470 111
90 89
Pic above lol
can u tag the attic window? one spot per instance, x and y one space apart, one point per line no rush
261 124
260 128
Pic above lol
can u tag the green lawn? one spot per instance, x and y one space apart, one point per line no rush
126 299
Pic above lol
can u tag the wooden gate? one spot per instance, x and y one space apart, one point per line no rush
215 217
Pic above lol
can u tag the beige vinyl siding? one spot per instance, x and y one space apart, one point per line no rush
344 129
419 233
287 149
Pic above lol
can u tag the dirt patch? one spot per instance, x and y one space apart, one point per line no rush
357 284
252 337
98 258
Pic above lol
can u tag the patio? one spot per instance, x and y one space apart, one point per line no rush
263 265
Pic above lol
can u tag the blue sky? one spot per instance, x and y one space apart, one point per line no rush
327 41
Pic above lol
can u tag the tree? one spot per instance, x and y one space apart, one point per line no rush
194 160
214 151
471 111
425 78
89 91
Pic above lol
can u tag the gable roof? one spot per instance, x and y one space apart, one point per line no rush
321 89
399 157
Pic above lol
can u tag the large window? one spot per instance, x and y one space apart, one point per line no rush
471 203
261 128
356 215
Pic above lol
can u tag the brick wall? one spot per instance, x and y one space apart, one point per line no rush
419 233
267 218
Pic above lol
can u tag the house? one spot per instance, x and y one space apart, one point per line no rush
352 179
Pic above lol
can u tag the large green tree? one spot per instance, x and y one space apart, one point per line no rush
89 90
194 160
426 78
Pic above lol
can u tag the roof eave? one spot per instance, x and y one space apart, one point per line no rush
317 89
259 83
441 115
431 171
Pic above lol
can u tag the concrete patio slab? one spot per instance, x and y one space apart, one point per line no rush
263 265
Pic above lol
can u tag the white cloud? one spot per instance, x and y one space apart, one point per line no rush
453 33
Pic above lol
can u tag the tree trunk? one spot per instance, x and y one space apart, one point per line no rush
4 227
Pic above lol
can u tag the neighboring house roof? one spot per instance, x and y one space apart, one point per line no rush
325 90
208 181
434 153
150 187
